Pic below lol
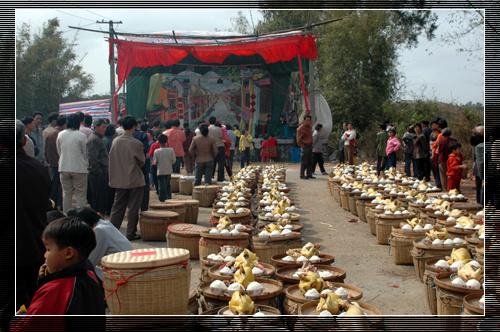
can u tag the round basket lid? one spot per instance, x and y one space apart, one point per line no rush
166 206
145 258
205 187
159 214
187 230
175 176
185 201
468 206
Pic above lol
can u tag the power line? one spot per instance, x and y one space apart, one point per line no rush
99 15
217 37
83 18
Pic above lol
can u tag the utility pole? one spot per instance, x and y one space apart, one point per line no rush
312 82
111 70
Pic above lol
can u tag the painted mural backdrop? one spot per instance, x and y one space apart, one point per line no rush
191 97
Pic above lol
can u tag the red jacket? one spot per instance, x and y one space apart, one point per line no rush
74 290
227 147
454 163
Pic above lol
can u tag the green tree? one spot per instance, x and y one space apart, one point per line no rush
47 70
357 67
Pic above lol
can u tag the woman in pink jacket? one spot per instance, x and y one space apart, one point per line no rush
393 145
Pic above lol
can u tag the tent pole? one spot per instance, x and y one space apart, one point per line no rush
312 82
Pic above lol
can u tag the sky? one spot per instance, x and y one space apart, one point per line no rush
431 71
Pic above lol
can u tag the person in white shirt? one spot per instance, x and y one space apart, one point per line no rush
164 159
72 149
109 240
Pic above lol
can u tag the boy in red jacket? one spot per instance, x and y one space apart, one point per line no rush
455 166
68 284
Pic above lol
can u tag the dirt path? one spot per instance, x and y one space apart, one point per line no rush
394 289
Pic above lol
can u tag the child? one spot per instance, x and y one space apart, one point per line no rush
455 167
273 153
164 159
68 284
264 152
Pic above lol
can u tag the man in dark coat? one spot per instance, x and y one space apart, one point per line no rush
33 191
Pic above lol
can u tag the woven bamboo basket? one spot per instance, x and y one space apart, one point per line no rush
344 198
266 248
430 288
295 296
243 218
331 186
211 244
154 224
450 298
272 289
285 274
205 194
384 224
192 209
468 207
471 305
214 273
414 207
193 305
309 308
186 186
352 197
185 236
243 204
360 207
454 233
336 192
265 309
277 260
294 217
370 219
297 227
180 208
401 242
472 313
205 265
422 253
157 281
174 183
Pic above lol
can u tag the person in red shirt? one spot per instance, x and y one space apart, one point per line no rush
455 167
264 152
273 152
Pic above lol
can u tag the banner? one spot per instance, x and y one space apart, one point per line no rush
95 108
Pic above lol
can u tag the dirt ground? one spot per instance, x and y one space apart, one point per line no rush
394 289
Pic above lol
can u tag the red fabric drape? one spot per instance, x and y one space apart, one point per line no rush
136 54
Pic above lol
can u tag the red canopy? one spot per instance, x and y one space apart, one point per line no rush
137 54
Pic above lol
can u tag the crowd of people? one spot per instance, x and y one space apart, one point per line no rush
430 148
77 170
112 169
